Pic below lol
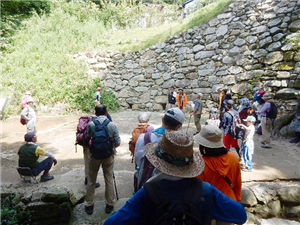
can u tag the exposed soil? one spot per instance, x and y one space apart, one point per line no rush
57 135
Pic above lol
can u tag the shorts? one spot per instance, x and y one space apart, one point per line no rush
229 141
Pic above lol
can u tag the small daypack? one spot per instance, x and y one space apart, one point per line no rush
101 146
81 133
137 131
183 211
234 129
144 170
272 113
22 120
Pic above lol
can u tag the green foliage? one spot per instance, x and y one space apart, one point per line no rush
40 56
11 215
23 7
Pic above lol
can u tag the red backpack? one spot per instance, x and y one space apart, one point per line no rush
81 133
137 131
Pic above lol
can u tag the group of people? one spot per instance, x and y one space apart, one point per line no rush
30 152
208 179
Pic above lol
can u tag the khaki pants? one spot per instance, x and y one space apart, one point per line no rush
266 125
108 168
86 157
197 118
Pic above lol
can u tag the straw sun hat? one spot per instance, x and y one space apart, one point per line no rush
174 155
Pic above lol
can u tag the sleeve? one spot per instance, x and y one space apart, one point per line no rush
40 151
131 212
265 108
139 149
24 113
226 209
90 129
115 136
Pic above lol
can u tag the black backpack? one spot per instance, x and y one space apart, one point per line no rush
101 146
272 113
175 212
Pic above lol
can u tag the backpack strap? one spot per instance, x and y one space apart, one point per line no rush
155 193
147 137
194 191
228 182
104 124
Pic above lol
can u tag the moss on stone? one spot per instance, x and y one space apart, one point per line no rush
288 56
286 66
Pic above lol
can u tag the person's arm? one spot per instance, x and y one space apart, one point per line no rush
244 126
41 152
116 136
226 209
131 212
196 108
25 113
265 108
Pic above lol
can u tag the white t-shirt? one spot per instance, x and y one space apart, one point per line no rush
250 133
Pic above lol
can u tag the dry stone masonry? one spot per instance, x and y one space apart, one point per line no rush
246 46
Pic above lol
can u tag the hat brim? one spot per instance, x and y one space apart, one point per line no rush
192 170
206 143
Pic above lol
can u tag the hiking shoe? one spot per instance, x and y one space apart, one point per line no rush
266 146
45 178
89 209
109 208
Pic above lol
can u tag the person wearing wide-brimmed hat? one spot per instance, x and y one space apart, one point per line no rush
28 114
178 165
266 122
296 121
172 120
222 168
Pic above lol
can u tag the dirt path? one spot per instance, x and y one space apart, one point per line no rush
57 135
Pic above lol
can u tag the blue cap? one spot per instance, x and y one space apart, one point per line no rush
255 89
250 119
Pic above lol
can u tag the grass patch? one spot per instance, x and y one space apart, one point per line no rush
40 59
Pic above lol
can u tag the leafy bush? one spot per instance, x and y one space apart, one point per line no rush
11 214
23 7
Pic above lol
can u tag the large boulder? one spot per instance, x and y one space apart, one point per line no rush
286 93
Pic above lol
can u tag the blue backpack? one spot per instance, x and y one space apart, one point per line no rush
101 146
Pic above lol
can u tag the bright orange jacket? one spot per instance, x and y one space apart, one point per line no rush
218 167
184 102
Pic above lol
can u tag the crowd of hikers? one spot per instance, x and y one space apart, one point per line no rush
173 182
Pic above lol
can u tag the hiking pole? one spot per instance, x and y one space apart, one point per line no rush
188 124
115 185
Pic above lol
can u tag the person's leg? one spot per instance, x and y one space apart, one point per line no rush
266 131
197 118
86 156
108 169
30 126
44 165
247 157
94 166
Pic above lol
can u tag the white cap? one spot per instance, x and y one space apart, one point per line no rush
176 114
200 94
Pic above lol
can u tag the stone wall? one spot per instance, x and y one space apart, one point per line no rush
244 47
58 205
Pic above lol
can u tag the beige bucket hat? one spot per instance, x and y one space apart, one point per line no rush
174 155
210 136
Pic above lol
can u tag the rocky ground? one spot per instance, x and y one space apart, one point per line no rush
57 135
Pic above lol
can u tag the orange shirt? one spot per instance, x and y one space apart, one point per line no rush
217 167
184 100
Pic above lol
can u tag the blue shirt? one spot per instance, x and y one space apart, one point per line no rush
227 121
222 207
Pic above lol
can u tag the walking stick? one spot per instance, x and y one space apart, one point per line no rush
188 124
115 186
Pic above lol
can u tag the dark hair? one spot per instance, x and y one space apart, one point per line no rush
170 122
225 91
212 151
100 110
